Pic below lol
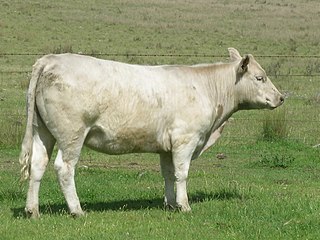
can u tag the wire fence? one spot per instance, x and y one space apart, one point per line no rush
297 76
198 55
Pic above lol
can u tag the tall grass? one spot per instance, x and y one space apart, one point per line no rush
66 48
275 125
12 131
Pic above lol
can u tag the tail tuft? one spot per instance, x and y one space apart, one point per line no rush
25 160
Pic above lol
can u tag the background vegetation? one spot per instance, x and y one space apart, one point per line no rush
266 185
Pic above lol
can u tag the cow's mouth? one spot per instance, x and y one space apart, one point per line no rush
270 104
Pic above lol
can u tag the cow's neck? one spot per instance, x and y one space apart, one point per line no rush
221 91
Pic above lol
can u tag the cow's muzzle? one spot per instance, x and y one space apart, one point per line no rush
275 103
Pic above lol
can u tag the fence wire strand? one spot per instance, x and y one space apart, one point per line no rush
196 55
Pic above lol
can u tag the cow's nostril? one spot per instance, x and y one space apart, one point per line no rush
282 99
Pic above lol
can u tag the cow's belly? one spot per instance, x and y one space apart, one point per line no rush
122 141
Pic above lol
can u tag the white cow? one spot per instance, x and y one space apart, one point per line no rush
117 108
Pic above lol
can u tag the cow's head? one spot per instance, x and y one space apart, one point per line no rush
254 90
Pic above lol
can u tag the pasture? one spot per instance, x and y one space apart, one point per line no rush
265 185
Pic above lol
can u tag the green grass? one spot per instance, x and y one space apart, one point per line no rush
230 198
261 190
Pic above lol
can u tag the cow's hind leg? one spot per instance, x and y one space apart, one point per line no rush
43 143
65 163
167 170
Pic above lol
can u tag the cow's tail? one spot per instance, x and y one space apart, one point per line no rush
26 147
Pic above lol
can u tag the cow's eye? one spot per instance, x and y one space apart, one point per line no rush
260 78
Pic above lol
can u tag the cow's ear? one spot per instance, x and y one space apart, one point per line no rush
243 66
234 54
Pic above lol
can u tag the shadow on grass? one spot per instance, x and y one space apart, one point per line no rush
128 205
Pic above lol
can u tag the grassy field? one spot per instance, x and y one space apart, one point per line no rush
263 189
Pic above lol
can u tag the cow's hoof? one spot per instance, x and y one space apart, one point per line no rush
183 208
78 214
32 213
169 207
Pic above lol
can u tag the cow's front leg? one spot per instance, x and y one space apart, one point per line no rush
167 170
181 162
181 194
